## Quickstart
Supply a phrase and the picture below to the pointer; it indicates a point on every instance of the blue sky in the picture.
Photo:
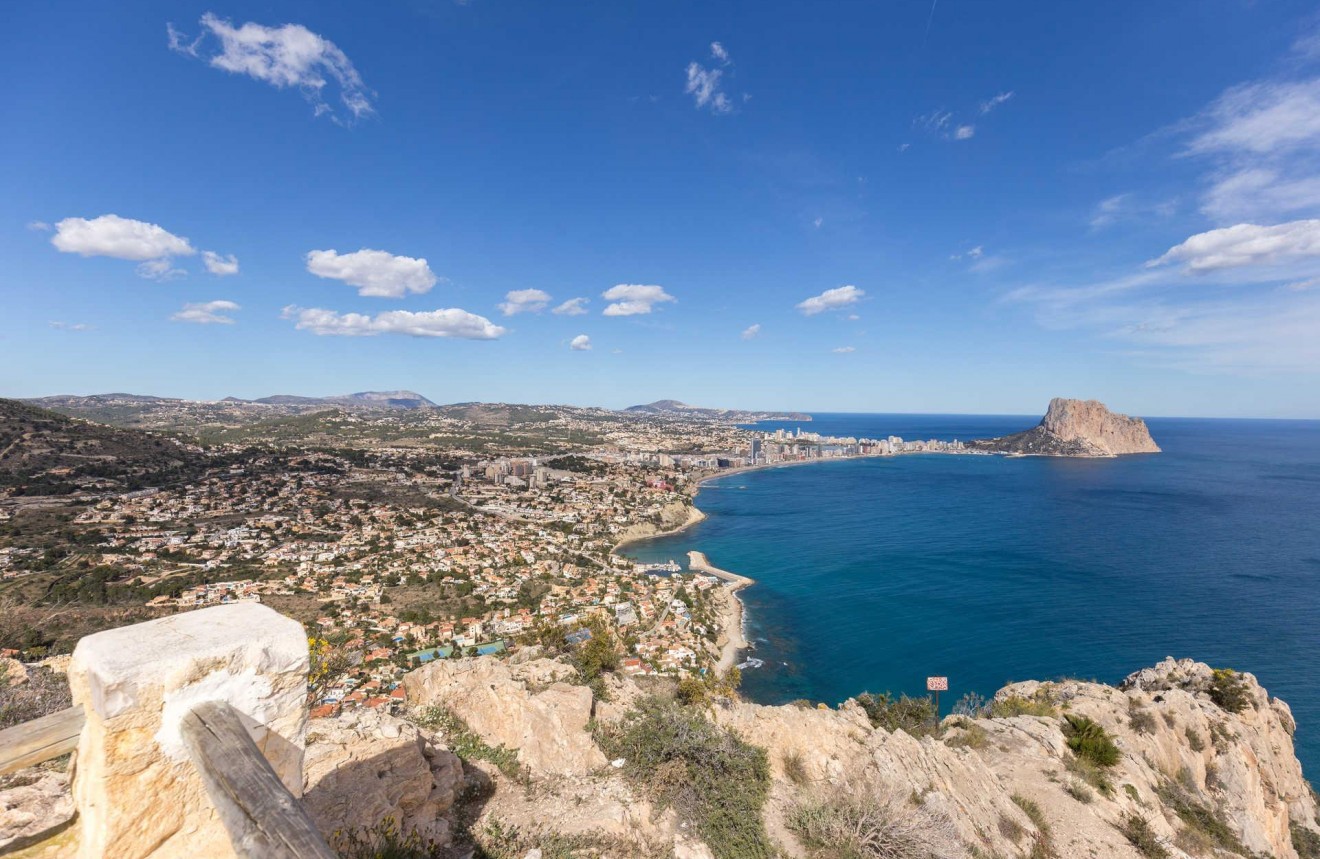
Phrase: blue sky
(957, 206)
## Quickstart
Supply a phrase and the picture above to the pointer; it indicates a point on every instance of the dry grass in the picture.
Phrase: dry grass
(885, 825)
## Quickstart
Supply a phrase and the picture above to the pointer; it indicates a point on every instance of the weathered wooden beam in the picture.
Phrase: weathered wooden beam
(263, 819)
(40, 740)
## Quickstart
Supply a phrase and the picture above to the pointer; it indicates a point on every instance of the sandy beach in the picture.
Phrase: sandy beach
(731, 612)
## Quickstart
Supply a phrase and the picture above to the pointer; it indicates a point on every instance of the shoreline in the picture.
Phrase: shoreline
(733, 614)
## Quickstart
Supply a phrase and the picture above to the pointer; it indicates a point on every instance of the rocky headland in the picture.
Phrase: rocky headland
(1076, 428)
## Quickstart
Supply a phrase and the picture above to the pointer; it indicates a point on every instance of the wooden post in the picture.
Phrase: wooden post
(263, 819)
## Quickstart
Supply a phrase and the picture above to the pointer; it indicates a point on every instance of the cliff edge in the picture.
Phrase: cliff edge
(1076, 428)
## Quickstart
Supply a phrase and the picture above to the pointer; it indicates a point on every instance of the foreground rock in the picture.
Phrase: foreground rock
(363, 767)
(1076, 428)
(528, 707)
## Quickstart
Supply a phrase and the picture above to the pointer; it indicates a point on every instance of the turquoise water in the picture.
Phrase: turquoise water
(873, 574)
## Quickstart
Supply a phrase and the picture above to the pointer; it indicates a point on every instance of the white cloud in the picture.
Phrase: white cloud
(704, 86)
(524, 301)
(634, 299)
(70, 326)
(159, 270)
(207, 313)
(580, 343)
(572, 307)
(38, 226)
(121, 238)
(843, 350)
(1108, 210)
(1263, 117)
(449, 322)
(284, 56)
(935, 122)
(1246, 245)
(964, 132)
(718, 52)
(375, 273)
(995, 101)
(831, 299)
(751, 331)
(220, 266)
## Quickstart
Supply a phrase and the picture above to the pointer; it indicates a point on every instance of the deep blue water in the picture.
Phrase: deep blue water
(874, 573)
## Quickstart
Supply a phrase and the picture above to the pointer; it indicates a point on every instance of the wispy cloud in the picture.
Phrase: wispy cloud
(831, 299)
(377, 274)
(524, 301)
(289, 55)
(220, 266)
(448, 322)
(843, 350)
(751, 331)
(572, 307)
(207, 313)
(70, 326)
(706, 86)
(995, 101)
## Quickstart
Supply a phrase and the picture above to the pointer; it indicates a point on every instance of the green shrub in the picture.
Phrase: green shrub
(915, 716)
(384, 841)
(1140, 719)
(1305, 841)
(1043, 848)
(1039, 704)
(971, 705)
(969, 735)
(1200, 817)
(1138, 832)
(1089, 741)
(1229, 690)
(1088, 772)
(708, 775)
(1080, 792)
(467, 744)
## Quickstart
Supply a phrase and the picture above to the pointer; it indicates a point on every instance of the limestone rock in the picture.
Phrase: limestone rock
(363, 767)
(527, 707)
(13, 672)
(33, 803)
(1077, 428)
(136, 684)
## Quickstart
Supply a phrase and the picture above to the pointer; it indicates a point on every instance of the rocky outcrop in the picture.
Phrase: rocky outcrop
(673, 517)
(1184, 757)
(34, 805)
(1076, 428)
(528, 707)
(363, 767)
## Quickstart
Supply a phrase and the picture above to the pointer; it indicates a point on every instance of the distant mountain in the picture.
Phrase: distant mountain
(1076, 428)
(364, 399)
(45, 453)
(674, 408)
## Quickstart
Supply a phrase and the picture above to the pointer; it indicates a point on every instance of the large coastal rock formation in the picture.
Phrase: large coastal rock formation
(1076, 428)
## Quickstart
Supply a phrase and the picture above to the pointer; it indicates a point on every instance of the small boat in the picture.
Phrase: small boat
(750, 663)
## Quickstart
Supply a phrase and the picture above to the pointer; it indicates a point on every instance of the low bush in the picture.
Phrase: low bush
(971, 705)
(466, 743)
(846, 825)
(795, 767)
(1039, 704)
(1096, 776)
(1140, 719)
(43, 693)
(1043, 848)
(1200, 817)
(502, 841)
(1138, 832)
(1229, 690)
(708, 775)
(1090, 741)
(384, 841)
(915, 716)
(1305, 841)
(1080, 792)
(1194, 739)
(969, 735)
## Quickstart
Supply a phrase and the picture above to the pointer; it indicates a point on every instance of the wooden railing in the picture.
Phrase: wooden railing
(40, 740)
(262, 818)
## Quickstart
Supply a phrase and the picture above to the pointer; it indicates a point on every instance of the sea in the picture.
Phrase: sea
(874, 574)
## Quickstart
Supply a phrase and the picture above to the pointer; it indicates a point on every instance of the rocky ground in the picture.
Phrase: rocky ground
(505, 758)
